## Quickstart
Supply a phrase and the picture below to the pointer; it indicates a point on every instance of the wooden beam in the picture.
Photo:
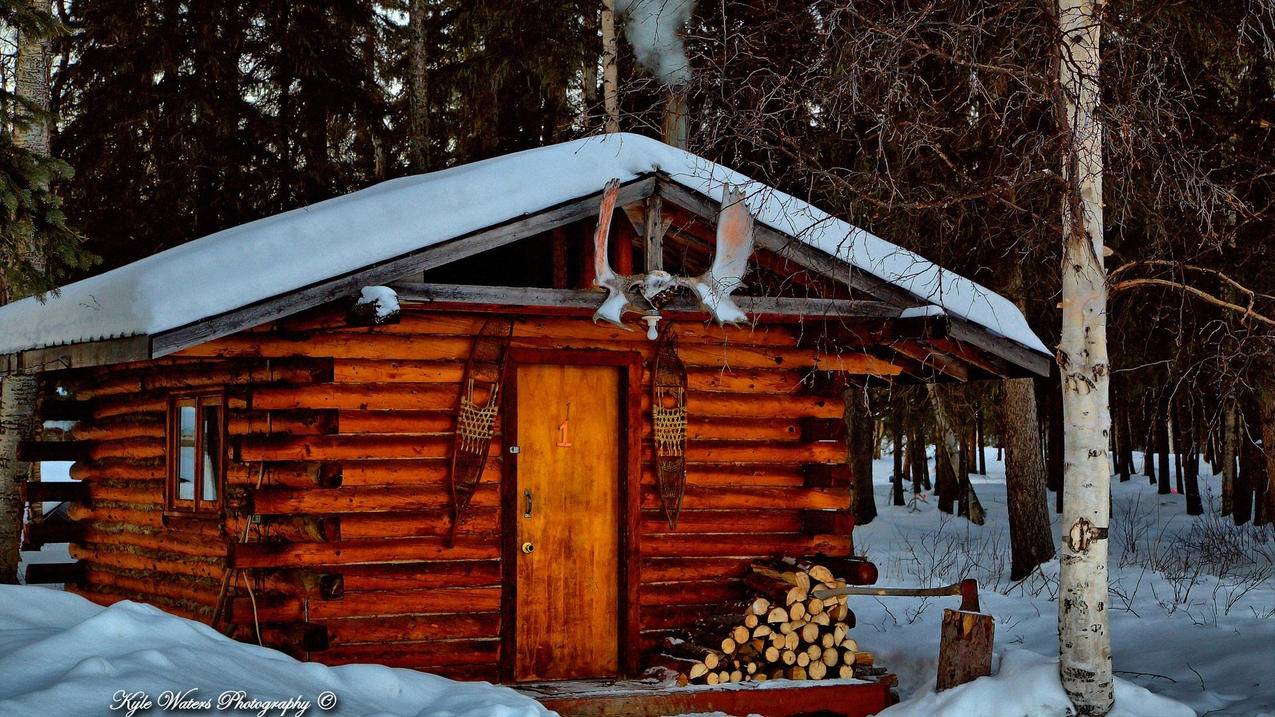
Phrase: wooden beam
(54, 492)
(932, 359)
(32, 451)
(48, 573)
(810, 308)
(77, 355)
(1033, 362)
(37, 535)
(60, 409)
(654, 233)
(386, 271)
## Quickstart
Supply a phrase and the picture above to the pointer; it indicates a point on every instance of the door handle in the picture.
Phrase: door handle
(528, 547)
(526, 513)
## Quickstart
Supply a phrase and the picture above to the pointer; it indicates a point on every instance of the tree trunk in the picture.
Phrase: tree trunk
(1194, 506)
(32, 84)
(948, 468)
(1083, 631)
(1031, 537)
(1252, 474)
(1126, 446)
(18, 392)
(17, 412)
(920, 466)
(1176, 435)
(1119, 434)
(858, 419)
(1162, 449)
(418, 89)
(610, 73)
(1148, 444)
(981, 442)
(1266, 412)
(945, 481)
(1230, 444)
(896, 436)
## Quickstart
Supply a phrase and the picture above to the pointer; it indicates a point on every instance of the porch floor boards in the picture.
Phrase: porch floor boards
(650, 698)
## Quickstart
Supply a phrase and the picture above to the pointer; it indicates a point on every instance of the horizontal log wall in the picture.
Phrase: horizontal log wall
(127, 546)
(349, 430)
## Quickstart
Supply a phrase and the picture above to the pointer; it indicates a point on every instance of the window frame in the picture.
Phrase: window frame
(172, 444)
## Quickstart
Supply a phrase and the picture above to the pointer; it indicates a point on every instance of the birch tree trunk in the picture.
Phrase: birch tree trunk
(1083, 629)
(32, 84)
(18, 392)
(17, 410)
(610, 74)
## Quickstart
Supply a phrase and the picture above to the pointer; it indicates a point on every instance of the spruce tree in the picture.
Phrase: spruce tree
(37, 247)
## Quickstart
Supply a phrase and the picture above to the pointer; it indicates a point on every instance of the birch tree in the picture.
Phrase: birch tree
(1083, 630)
(18, 391)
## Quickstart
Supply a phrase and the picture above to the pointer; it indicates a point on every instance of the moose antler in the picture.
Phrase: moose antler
(713, 288)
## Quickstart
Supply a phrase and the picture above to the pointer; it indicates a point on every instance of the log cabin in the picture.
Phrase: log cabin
(390, 428)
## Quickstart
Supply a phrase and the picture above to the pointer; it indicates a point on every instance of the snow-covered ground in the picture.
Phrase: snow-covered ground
(1192, 623)
(1192, 606)
(63, 655)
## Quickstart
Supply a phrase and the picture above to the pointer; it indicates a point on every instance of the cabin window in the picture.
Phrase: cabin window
(196, 453)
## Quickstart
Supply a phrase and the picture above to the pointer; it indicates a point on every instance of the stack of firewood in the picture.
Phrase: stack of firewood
(785, 632)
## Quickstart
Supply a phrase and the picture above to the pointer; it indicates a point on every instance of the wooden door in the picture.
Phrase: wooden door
(568, 518)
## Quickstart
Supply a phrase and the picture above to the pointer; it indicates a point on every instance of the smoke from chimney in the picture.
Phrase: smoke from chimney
(652, 28)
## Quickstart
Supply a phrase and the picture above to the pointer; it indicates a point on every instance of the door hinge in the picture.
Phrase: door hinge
(514, 450)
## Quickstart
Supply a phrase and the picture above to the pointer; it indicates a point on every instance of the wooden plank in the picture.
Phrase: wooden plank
(653, 231)
(589, 301)
(839, 698)
(386, 271)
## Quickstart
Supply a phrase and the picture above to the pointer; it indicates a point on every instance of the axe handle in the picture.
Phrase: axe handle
(967, 589)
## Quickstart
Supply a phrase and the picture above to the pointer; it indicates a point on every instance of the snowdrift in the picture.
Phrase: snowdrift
(61, 654)
(1027, 685)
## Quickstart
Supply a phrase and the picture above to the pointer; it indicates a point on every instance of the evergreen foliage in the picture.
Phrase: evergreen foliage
(37, 248)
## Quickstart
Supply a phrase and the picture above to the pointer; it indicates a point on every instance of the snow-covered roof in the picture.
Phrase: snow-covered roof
(280, 254)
